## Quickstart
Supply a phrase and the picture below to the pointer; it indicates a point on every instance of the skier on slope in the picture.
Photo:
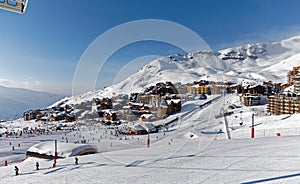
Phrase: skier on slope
(17, 170)
(76, 161)
(37, 165)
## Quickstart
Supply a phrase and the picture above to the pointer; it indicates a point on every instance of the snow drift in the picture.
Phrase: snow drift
(46, 150)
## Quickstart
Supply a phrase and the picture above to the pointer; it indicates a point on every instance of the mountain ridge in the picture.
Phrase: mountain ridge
(15, 101)
(255, 62)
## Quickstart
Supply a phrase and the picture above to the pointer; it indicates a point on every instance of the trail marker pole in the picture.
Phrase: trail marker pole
(55, 153)
(252, 128)
(148, 140)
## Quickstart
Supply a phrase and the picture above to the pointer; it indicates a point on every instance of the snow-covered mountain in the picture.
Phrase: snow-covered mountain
(261, 62)
(254, 62)
(15, 101)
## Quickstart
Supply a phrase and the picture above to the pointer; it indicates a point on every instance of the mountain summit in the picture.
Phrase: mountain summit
(257, 62)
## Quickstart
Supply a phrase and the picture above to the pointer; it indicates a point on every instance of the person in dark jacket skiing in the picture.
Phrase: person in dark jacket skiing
(76, 161)
(17, 170)
(37, 165)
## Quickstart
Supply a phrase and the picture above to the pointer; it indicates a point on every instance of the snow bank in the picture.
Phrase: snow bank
(63, 149)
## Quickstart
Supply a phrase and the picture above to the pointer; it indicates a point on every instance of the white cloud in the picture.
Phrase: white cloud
(35, 85)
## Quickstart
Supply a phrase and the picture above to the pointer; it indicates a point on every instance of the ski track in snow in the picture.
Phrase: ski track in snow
(203, 159)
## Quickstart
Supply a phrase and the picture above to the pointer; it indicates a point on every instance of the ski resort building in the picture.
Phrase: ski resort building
(287, 103)
(198, 89)
(168, 107)
(296, 81)
(278, 102)
(251, 100)
(284, 104)
(292, 74)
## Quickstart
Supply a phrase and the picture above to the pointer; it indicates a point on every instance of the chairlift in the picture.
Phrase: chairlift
(18, 6)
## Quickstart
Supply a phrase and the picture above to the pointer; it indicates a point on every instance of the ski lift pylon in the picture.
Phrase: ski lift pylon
(18, 6)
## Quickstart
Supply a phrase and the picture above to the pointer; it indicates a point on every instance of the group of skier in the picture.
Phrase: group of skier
(37, 165)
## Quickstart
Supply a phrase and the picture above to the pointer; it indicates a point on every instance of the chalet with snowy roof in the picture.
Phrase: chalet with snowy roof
(96, 101)
(146, 99)
(68, 108)
(32, 114)
(133, 97)
(106, 103)
(139, 129)
(143, 128)
(254, 89)
(252, 100)
(161, 89)
(233, 88)
(101, 104)
(147, 118)
(140, 106)
(136, 109)
(163, 110)
(272, 88)
(70, 117)
(168, 107)
(109, 115)
(143, 98)
(135, 106)
(150, 127)
(128, 115)
(29, 115)
(146, 109)
(58, 116)
(174, 104)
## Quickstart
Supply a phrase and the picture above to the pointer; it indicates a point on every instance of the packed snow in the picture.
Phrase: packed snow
(193, 150)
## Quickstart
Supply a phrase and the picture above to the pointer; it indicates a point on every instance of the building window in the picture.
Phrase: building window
(12, 2)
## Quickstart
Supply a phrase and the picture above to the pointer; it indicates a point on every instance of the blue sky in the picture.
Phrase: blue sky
(41, 48)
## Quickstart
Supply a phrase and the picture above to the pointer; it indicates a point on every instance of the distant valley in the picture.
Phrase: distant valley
(15, 101)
